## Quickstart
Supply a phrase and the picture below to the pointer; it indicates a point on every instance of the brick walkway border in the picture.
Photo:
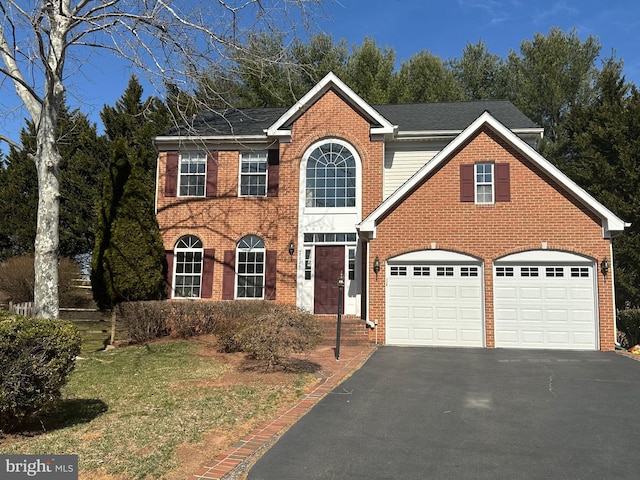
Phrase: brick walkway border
(246, 451)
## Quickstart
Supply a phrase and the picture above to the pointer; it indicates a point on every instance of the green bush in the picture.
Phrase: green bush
(629, 324)
(37, 356)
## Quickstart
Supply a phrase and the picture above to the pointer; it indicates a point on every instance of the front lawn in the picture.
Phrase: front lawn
(157, 411)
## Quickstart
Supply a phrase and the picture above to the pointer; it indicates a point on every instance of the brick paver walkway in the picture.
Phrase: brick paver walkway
(248, 450)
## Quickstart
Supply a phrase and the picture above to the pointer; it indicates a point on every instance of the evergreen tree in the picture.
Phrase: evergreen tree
(479, 73)
(128, 258)
(600, 150)
(424, 78)
(80, 175)
(129, 254)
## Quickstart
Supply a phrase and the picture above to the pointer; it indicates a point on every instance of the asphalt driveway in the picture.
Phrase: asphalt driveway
(435, 413)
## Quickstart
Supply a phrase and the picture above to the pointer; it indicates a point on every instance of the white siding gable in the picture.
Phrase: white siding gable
(403, 159)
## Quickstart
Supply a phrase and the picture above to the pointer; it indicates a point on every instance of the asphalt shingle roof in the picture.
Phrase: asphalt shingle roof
(413, 117)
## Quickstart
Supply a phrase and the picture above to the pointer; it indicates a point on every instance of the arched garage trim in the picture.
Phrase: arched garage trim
(546, 257)
(435, 256)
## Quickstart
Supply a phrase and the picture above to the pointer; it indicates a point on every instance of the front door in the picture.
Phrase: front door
(329, 264)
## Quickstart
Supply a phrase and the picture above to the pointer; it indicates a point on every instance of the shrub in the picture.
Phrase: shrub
(143, 321)
(37, 356)
(262, 329)
(277, 333)
(629, 324)
(17, 279)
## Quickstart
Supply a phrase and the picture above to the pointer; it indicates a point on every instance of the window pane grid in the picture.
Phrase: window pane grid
(250, 267)
(188, 267)
(192, 174)
(484, 182)
(253, 174)
(331, 177)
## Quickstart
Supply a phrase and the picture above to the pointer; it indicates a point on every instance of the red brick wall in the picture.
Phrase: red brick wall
(536, 213)
(220, 222)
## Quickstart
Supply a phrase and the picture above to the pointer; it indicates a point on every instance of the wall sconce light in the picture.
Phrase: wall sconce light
(376, 265)
(292, 248)
(604, 266)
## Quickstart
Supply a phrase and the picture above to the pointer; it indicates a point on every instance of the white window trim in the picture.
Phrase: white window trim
(178, 250)
(263, 250)
(477, 184)
(241, 174)
(191, 154)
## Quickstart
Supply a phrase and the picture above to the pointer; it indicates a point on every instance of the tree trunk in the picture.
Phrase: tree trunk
(47, 159)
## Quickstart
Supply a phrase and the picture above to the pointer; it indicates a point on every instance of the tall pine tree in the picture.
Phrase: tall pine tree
(128, 259)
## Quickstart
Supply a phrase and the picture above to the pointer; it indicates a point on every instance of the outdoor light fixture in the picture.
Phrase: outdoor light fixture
(292, 248)
(604, 266)
(376, 265)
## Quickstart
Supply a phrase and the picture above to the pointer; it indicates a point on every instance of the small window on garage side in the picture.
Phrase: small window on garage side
(398, 271)
(580, 272)
(504, 271)
(444, 271)
(529, 271)
(554, 272)
(484, 182)
(468, 271)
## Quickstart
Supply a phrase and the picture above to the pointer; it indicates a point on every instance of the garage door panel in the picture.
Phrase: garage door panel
(443, 309)
(553, 310)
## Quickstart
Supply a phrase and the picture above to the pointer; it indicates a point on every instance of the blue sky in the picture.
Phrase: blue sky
(409, 26)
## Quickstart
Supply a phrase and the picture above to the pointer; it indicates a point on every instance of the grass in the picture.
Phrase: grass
(126, 411)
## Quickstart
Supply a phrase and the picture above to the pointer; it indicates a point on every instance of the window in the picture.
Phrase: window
(580, 271)
(444, 271)
(188, 265)
(351, 264)
(504, 271)
(419, 271)
(484, 182)
(193, 166)
(468, 271)
(398, 271)
(554, 272)
(250, 265)
(253, 174)
(307, 263)
(331, 177)
(529, 271)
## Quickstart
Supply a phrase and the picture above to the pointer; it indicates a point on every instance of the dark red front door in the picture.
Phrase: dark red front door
(329, 264)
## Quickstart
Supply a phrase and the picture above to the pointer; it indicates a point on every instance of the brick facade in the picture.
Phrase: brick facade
(538, 212)
(432, 216)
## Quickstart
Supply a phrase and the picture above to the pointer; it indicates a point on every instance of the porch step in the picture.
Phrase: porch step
(353, 330)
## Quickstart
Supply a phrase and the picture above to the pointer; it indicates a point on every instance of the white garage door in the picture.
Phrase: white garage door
(434, 304)
(545, 306)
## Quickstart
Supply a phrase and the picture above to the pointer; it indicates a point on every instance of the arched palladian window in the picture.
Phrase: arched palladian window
(188, 255)
(331, 177)
(250, 267)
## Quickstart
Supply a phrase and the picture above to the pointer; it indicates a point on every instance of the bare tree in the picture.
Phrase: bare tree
(44, 42)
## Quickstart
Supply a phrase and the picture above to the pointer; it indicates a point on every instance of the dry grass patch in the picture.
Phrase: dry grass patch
(159, 410)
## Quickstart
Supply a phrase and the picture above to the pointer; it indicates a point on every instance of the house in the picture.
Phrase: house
(446, 224)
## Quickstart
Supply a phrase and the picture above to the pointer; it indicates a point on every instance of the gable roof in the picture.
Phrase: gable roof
(610, 222)
(379, 125)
